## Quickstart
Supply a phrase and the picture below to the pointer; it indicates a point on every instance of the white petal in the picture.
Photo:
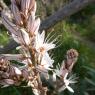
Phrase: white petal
(47, 61)
(25, 37)
(42, 36)
(36, 26)
(70, 89)
(65, 77)
(54, 76)
(17, 71)
(39, 41)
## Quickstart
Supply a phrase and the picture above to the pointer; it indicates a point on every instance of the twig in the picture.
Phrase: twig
(65, 12)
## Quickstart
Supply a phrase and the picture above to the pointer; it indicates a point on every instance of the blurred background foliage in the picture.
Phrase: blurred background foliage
(78, 32)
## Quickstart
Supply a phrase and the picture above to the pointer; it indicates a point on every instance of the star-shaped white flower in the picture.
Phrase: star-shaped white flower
(60, 71)
(56, 72)
(67, 82)
(46, 63)
(41, 45)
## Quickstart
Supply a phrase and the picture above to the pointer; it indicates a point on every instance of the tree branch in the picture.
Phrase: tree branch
(65, 12)
(61, 14)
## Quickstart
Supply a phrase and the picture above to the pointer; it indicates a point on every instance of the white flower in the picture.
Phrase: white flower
(67, 82)
(41, 45)
(46, 63)
(60, 71)
(56, 72)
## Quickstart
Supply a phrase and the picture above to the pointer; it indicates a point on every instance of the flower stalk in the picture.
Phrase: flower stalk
(34, 58)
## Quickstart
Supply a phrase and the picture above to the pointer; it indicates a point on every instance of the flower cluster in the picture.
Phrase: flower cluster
(23, 27)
